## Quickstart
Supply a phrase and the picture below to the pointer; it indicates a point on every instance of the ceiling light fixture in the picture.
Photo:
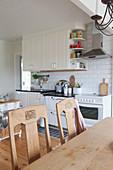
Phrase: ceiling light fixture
(102, 25)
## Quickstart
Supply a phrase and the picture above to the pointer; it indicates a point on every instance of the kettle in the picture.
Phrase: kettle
(59, 85)
(59, 88)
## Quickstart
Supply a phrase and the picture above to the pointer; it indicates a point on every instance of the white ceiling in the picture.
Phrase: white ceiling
(19, 17)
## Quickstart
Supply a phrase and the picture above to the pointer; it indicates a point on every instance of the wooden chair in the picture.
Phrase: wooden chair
(67, 105)
(28, 117)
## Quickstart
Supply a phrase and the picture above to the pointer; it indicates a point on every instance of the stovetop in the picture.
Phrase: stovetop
(92, 98)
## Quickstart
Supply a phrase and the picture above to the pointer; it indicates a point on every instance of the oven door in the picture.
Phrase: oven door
(92, 113)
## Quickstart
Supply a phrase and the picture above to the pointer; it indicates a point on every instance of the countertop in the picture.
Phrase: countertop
(47, 92)
(12, 101)
(56, 94)
(36, 90)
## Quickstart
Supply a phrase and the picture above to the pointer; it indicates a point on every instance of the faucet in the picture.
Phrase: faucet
(41, 82)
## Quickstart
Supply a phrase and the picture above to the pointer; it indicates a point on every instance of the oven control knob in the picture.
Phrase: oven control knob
(93, 101)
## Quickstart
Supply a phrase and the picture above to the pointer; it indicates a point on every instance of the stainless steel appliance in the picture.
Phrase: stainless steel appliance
(94, 108)
(60, 84)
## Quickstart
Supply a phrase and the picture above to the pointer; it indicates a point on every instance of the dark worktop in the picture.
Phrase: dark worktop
(36, 90)
(47, 92)
(56, 94)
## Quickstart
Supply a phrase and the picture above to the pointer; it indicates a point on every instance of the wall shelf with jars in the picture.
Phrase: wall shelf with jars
(76, 49)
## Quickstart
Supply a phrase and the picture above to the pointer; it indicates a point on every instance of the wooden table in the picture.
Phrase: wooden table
(91, 150)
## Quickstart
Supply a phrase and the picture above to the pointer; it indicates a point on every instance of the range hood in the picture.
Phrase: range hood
(97, 51)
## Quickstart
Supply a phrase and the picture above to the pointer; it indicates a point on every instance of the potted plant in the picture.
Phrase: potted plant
(78, 88)
(36, 77)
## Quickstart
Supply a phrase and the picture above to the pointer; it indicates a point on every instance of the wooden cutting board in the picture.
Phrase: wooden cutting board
(72, 81)
(103, 88)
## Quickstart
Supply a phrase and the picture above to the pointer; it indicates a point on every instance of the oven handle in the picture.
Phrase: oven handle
(90, 105)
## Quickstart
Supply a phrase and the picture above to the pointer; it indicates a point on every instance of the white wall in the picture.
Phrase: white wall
(6, 67)
(17, 51)
(8, 53)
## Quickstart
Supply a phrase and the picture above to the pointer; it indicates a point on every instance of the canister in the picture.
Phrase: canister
(73, 55)
(79, 34)
(69, 90)
(73, 35)
(65, 90)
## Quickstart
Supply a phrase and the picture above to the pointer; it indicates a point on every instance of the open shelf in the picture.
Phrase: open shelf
(77, 39)
(77, 49)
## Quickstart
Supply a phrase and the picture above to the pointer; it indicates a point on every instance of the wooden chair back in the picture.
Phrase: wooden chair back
(28, 117)
(68, 106)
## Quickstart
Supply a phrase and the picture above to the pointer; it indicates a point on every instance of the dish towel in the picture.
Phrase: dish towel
(78, 120)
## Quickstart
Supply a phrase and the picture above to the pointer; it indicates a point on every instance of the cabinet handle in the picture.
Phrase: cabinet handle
(59, 99)
(31, 67)
(52, 98)
(53, 65)
(52, 113)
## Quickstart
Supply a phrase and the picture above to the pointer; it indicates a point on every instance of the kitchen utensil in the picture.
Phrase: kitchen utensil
(61, 83)
(79, 34)
(103, 88)
(73, 35)
(4, 97)
(65, 90)
(73, 55)
(5, 120)
(59, 88)
(77, 46)
(69, 90)
(72, 81)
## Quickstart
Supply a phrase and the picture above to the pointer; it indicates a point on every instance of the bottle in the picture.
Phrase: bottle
(65, 90)
(69, 90)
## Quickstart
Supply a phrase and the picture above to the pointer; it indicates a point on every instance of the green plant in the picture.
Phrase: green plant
(77, 85)
(35, 76)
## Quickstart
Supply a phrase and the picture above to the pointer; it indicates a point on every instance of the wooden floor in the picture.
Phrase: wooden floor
(5, 158)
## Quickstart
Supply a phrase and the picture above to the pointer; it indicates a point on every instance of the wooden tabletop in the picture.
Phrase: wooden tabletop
(12, 101)
(91, 150)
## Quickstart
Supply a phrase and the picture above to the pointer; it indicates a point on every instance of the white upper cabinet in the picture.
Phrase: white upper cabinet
(27, 54)
(37, 53)
(48, 51)
(61, 47)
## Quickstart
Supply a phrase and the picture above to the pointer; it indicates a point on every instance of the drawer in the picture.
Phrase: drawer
(10, 106)
(17, 105)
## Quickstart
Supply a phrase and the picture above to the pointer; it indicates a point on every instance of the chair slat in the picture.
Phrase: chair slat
(68, 106)
(28, 117)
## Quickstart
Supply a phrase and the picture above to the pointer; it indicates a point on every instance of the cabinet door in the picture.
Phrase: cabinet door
(33, 99)
(27, 54)
(23, 97)
(51, 110)
(37, 53)
(48, 51)
(61, 47)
